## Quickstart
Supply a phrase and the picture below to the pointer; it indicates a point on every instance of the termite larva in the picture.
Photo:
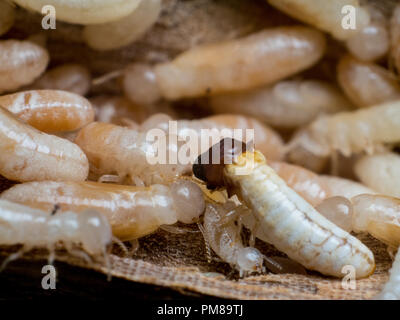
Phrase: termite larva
(28, 154)
(117, 34)
(21, 62)
(49, 110)
(132, 211)
(258, 59)
(285, 219)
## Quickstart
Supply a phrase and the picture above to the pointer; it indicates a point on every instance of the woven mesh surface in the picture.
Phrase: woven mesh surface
(180, 261)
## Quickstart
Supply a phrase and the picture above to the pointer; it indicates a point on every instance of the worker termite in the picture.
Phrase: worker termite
(286, 104)
(380, 171)
(28, 154)
(258, 59)
(71, 77)
(33, 228)
(131, 211)
(21, 62)
(365, 83)
(117, 34)
(284, 218)
(84, 11)
(49, 110)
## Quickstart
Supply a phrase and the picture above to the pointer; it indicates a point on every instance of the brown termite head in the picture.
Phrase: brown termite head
(209, 165)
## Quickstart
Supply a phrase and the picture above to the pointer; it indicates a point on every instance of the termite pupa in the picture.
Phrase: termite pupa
(131, 211)
(49, 110)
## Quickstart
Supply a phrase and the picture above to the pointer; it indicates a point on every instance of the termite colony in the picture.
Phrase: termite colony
(323, 167)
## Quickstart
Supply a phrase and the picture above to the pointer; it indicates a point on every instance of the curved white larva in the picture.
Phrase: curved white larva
(122, 32)
(21, 62)
(381, 172)
(286, 104)
(34, 228)
(131, 211)
(291, 224)
(341, 187)
(27, 154)
(7, 16)
(325, 15)
(84, 11)
(258, 59)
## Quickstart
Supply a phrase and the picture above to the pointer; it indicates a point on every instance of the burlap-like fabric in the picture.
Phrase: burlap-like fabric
(180, 260)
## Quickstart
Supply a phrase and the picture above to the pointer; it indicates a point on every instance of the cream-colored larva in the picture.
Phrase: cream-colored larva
(21, 62)
(27, 154)
(34, 228)
(132, 211)
(84, 11)
(49, 110)
(120, 33)
(258, 59)
(391, 290)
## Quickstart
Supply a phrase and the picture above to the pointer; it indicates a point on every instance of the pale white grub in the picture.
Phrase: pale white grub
(326, 15)
(84, 11)
(132, 211)
(353, 132)
(49, 110)
(380, 171)
(34, 228)
(27, 154)
(7, 16)
(391, 290)
(286, 104)
(372, 42)
(258, 59)
(365, 83)
(21, 62)
(291, 224)
(74, 78)
(341, 187)
(127, 152)
(120, 33)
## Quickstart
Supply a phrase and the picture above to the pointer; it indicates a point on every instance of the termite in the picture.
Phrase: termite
(284, 218)
(258, 59)
(132, 211)
(33, 228)
(21, 62)
(28, 154)
(120, 33)
(50, 110)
